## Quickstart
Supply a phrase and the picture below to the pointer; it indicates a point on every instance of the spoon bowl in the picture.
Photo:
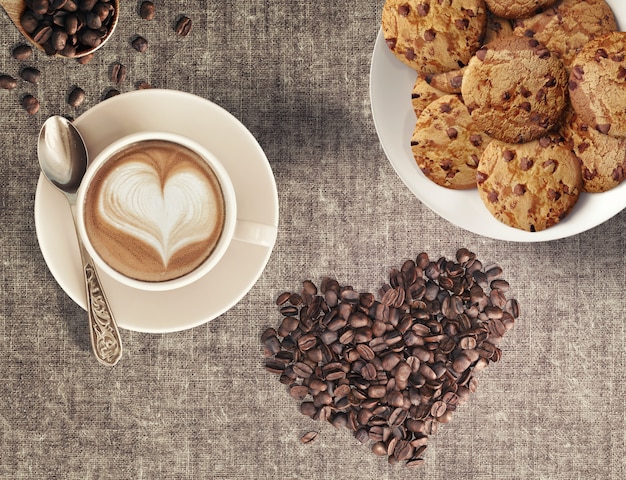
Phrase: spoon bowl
(63, 161)
(15, 10)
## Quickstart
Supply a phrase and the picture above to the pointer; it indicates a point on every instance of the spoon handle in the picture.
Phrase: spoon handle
(105, 337)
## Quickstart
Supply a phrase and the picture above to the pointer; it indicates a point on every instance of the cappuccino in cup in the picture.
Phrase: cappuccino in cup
(157, 210)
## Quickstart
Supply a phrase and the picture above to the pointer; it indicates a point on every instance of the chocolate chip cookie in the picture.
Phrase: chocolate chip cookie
(447, 144)
(597, 84)
(517, 8)
(602, 157)
(530, 186)
(568, 25)
(515, 89)
(433, 37)
(423, 94)
(450, 82)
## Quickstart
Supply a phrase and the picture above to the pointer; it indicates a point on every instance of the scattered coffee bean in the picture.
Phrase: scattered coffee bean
(118, 73)
(112, 92)
(183, 26)
(147, 10)
(30, 104)
(22, 52)
(85, 59)
(140, 44)
(68, 27)
(31, 74)
(309, 437)
(7, 82)
(76, 97)
(391, 370)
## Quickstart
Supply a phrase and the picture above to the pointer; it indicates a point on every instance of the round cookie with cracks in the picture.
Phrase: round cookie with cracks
(530, 186)
(434, 37)
(515, 89)
(447, 144)
(597, 84)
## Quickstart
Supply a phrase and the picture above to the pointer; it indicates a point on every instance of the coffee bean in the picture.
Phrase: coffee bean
(112, 92)
(140, 44)
(76, 97)
(309, 437)
(118, 73)
(85, 22)
(31, 74)
(7, 82)
(147, 10)
(392, 370)
(183, 26)
(30, 104)
(22, 52)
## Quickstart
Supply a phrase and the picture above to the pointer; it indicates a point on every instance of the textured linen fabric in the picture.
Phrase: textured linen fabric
(199, 403)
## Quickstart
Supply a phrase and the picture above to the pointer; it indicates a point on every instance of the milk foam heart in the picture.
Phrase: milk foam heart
(154, 211)
(167, 214)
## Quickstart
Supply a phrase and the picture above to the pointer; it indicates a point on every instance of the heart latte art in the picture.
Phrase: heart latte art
(154, 211)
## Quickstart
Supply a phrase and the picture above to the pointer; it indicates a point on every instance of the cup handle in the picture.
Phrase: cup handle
(256, 233)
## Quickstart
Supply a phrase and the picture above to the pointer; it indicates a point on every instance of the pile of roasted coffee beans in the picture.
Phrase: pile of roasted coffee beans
(391, 370)
(68, 27)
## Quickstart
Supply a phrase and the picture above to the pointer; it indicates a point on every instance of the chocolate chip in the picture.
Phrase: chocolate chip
(543, 53)
(445, 108)
(553, 194)
(481, 53)
(572, 85)
(409, 54)
(578, 72)
(492, 196)
(600, 54)
(403, 10)
(545, 141)
(519, 189)
(583, 146)
(461, 23)
(525, 106)
(550, 165)
(423, 9)
(526, 164)
(391, 43)
(476, 139)
(550, 82)
(529, 33)
(508, 155)
(452, 133)
(533, 43)
(603, 128)
(429, 35)
(588, 174)
(481, 177)
(618, 174)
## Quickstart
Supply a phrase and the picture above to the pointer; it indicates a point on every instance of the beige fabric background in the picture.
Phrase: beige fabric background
(199, 404)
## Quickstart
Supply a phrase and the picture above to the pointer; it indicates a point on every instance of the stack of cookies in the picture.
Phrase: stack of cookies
(524, 100)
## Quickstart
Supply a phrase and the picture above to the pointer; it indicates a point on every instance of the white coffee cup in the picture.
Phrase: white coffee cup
(145, 212)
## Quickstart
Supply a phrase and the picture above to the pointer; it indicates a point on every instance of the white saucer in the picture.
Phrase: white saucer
(257, 200)
(391, 83)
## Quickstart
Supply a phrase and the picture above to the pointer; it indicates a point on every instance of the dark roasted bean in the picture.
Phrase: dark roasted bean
(183, 26)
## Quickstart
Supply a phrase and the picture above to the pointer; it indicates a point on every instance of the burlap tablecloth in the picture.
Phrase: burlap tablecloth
(199, 403)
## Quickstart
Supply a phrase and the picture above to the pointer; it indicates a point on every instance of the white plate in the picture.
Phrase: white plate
(257, 200)
(391, 83)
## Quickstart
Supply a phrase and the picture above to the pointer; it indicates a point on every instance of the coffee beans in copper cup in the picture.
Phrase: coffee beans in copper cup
(70, 28)
(158, 211)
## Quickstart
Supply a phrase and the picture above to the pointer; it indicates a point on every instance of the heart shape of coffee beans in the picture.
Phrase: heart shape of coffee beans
(166, 214)
(392, 369)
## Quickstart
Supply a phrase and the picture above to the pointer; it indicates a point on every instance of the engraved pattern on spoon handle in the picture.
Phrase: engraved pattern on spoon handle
(105, 337)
